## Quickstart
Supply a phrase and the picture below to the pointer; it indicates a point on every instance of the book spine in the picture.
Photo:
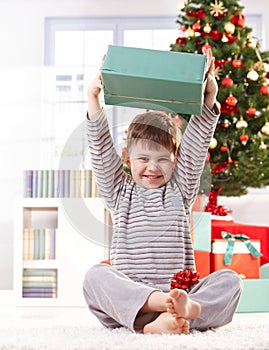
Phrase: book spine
(39, 183)
(39, 272)
(50, 183)
(31, 246)
(28, 183)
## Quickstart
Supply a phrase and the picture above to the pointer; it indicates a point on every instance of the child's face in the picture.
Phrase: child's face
(151, 167)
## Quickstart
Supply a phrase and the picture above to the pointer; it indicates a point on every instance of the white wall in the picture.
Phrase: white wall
(21, 113)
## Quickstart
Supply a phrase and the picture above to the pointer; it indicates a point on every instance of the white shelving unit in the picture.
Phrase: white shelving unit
(81, 242)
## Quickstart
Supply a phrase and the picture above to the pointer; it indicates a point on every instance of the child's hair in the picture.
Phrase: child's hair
(157, 127)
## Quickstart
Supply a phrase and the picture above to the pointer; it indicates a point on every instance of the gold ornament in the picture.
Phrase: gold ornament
(207, 28)
(218, 72)
(189, 32)
(241, 123)
(229, 28)
(252, 43)
(265, 129)
(213, 143)
(216, 8)
(252, 75)
(259, 65)
(224, 39)
(262, 145)
(181, 5)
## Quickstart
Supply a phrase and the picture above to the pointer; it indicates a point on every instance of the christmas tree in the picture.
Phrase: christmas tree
(238, 153)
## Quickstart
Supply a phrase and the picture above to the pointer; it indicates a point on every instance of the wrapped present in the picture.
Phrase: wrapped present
(154, 79)
(237, 253)
(201, 231)
(202, 262)
(254, 296)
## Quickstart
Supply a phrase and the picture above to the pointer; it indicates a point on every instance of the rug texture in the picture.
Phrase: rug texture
(63, 329)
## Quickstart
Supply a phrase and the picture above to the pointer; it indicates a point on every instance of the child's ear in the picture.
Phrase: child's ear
(125, 157)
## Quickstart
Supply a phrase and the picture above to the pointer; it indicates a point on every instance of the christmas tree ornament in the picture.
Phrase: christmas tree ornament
(259, 65)
(224, 39)
(217, 8)
(181, 41)
(213, 143)
(237, 63)
(207, 28)
(241, 123)
(252, 43)
(251, 111)
(227, 82)
(189, 32)
(181, 5)
(223, 149)
(244, 139)
(252, 75)
(265, 129)
(262, 145)
(264, 89)
(241, 22)
(197, 26)
(206, 46)
(229, 28)
(231, 100)
(226, 123)
(215, 35)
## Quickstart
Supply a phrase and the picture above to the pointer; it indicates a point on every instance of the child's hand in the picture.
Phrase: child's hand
(94, 90)
(211, 89)
(96, 85)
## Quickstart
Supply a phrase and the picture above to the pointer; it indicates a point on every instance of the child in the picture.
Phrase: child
(151, 214)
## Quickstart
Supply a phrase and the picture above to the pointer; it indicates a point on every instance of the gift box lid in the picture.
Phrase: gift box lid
(219, 246)
(154, 79)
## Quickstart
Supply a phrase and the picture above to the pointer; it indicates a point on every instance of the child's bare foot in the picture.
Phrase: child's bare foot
(180, 305)
(165, 323)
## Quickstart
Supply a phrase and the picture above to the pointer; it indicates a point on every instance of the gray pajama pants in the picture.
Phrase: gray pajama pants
(116, 300)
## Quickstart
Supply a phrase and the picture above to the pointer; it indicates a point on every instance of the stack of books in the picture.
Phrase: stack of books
(39, 244)
(39, 283)
(59, 183)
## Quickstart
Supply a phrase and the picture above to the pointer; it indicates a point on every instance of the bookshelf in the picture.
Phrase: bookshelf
(56, 240)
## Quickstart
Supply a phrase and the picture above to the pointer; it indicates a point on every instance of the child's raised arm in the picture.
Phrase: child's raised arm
(94, 90)
(211, 89)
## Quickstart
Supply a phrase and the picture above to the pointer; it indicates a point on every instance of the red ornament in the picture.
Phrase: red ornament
(220, 63)
(251, 111)
(215, 35)
(237, 63)
(231, 38)
(223, 149)
(229, 109)
(184, 279)
(244, 138)
(197, 14)
(227, 82)
(239, 20)
(196, 26)
(264, 89)
(231, 101)
(206, 46)
(181, 41)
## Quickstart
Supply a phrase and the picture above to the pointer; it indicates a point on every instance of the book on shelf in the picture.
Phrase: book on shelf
(39, 244)
(61, 183)
(39, 283)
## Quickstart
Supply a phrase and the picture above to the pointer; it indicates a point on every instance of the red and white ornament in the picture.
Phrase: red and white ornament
(251, 111)
(244, 139)
(231, 101)
(237, 63)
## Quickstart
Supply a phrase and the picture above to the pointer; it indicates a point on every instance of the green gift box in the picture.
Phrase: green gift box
(154, 79)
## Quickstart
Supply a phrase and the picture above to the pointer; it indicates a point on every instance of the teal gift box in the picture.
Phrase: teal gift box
(255, 296)
(154, 79)
(201, 231)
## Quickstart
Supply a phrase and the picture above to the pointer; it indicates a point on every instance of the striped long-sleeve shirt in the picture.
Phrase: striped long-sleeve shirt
(151, 227)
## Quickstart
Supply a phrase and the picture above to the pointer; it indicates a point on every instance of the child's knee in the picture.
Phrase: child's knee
(93, 276)
(232, 278)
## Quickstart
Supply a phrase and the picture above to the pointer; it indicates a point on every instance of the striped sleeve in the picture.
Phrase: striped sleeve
(192, 152)
(107, 166)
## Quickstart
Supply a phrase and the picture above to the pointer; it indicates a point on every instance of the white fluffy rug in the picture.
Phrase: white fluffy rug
(75, 328)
